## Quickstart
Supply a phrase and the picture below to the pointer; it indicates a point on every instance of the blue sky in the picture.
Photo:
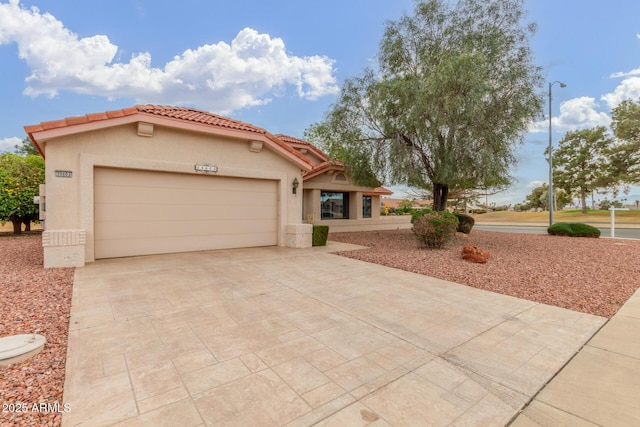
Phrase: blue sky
(279, 64)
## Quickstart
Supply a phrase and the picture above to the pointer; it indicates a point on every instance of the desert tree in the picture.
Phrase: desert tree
(451, 99)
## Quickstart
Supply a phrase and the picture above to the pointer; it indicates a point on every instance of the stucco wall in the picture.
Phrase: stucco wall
(70, 200)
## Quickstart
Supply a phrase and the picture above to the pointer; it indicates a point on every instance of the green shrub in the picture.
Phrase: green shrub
(320, 234)
(418, 213)
(573, 229)
(560, 229)
(434, 229)
(584, 230)
(465, 223)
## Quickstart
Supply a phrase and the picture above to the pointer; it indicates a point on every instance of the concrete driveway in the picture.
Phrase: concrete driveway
(276, 336)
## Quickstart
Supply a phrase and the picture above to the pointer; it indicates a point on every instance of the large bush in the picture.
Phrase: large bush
(434, 229)
(573, 229)
(465, 223)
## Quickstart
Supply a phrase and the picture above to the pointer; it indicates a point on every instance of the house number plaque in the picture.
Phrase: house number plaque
(206, 168)
(63, 174)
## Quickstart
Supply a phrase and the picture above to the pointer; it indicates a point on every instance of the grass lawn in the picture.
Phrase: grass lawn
(542, 218)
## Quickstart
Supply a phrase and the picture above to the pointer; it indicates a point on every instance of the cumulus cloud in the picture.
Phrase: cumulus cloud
(577, 113)
(220, 77)
(627, 89)
(9, 144)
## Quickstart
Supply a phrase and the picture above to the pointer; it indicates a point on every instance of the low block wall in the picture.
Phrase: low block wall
(395, 222)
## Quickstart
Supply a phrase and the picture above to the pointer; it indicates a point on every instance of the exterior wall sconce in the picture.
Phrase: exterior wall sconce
(294, 185)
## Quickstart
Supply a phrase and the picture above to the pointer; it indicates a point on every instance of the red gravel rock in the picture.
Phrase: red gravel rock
(33, 298)
(595, 276)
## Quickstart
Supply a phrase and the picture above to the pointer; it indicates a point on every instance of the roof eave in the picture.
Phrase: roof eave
(39, 134)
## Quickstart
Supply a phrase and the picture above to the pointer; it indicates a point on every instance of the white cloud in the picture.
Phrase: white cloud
(627, 89)
(534, 184)
(576, 113)
(9, 144)
(634, 72)
(220, 77)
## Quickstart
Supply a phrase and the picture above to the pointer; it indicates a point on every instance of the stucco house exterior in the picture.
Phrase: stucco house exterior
(158, 179)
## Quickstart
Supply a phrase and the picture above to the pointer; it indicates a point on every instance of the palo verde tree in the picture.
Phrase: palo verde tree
(452, 97)
(582, 162)
(20, 177)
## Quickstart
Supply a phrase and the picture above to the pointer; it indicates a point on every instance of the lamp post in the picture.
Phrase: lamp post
(550, 157)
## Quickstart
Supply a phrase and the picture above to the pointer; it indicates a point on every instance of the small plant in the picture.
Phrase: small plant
(573, 229)
(320, 234)
(404, 207)
(465, 223)
(434, 229)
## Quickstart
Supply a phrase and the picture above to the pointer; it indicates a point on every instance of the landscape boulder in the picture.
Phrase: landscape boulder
(474, 254)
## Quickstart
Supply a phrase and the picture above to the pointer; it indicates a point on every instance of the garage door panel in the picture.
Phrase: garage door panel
(147, 212)
(136, 212)
(171, 229)
(114, 249)
(151, 195)
(164, 180)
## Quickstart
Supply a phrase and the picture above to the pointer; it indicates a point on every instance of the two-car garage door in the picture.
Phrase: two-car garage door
(144, 212)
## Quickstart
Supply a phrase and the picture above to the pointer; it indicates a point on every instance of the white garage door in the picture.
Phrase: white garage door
(142, 212)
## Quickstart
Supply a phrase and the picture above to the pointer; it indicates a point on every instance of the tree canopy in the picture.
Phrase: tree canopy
(582, 162)
(20, 177)
(539, 199)
(26, 148)
(452, 97)
(626, 127)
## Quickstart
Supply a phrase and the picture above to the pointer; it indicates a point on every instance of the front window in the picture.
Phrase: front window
(366, 206)
(334, 205)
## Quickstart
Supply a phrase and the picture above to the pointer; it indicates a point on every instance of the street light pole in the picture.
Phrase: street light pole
(550, 156)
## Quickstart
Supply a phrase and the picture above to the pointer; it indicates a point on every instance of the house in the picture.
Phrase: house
(158, 179)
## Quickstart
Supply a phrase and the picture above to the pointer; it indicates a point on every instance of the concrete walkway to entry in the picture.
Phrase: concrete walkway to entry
(298, 337)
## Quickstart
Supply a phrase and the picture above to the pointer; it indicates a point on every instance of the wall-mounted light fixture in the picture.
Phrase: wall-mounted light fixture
(294, 185)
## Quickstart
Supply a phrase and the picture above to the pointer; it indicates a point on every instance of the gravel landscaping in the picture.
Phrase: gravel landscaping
(33, 299)
(595, 276)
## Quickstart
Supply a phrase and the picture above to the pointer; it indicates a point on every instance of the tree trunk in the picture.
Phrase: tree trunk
(440, 196)
(27, 224)
(17, 225)
(583, 200)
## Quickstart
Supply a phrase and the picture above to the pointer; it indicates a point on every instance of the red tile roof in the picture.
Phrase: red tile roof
(178, 113)
(181, 113)
(301, 143)
(293, 140)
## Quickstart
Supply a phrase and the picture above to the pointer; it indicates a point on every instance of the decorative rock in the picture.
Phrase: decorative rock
(474, 254)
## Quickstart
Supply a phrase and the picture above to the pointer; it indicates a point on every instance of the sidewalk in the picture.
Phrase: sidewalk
(601, 384)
